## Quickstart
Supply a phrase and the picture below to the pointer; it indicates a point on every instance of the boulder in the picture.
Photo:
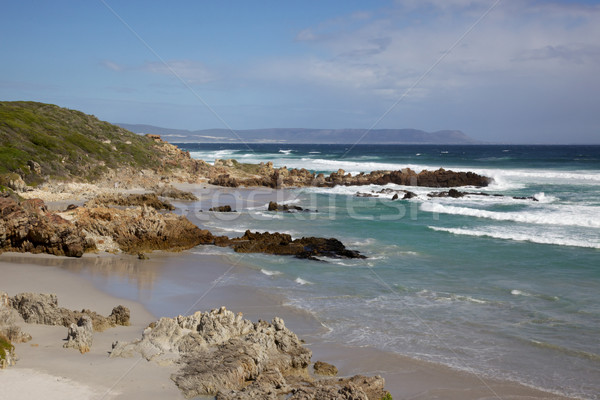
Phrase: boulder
(323, 368)
(80, 335)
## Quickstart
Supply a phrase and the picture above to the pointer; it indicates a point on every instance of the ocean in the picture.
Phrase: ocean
(507, 288)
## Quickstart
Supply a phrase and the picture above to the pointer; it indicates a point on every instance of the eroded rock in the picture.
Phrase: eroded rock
(80, 335)
(223, 355)
(27, 226)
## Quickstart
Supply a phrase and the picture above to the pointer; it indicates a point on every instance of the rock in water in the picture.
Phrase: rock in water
(226, 208)
(80, 335)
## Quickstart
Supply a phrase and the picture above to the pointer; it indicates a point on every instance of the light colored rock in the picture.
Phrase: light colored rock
(80, 335)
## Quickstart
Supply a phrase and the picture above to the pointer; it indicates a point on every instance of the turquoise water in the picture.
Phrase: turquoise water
(508, 288)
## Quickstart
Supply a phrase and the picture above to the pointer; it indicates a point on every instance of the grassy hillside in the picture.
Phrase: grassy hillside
(66, 144)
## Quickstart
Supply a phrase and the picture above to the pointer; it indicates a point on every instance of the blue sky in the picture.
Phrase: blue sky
(503, 71)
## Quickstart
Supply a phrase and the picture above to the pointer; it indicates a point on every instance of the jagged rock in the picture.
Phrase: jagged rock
(34, 167)
(131, 200)
(10, 321)
(142, 256)
(27, 226)
(120, 315)
(395, 196)
(323, 368)
(80, 335)
(226, 208)
(409, 195)
(355, 388)
(273, 206)
(282, 244)
(223, 355)
(282, 177)
(138, 230)
(42, 308)
(174, 193)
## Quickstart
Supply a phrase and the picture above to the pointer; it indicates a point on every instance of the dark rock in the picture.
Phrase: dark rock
(273, 206)
(395, 196)
(282, 244)
(71, 207)
(34, 167)
(142, 256)
(409, 195)
(226, 208)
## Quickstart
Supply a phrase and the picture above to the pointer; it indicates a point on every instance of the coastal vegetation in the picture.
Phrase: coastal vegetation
(40, 140)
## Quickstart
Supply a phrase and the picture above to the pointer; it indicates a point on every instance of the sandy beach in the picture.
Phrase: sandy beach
(94, 282)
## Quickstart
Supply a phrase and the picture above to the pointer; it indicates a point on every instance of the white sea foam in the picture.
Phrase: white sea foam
(563, 215)
(286, 152)
(301, 281)
(269, 272)
(511, 234)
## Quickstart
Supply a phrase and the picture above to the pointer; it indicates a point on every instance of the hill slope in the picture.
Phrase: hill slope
(312, 136)
(40, 141)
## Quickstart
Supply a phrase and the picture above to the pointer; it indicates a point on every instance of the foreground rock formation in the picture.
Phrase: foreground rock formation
(221, 354)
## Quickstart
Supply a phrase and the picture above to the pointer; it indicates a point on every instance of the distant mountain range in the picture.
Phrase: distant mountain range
(300, 135)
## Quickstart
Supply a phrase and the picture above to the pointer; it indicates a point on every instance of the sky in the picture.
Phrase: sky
(503, 71)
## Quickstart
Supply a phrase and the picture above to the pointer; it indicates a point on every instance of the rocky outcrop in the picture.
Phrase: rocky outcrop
(355, 388)
(131, 200)
(273, 206)
(323, 368)
(226, 208)
(27, 226)
(268, 176)
(7, 352)
(221, 354)
(80, 335)
(139, 229)
(282, 244)
(42, 308)
(174, 193)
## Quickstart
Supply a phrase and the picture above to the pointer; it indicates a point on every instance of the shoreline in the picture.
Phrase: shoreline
(112, 275)
(405, 377)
